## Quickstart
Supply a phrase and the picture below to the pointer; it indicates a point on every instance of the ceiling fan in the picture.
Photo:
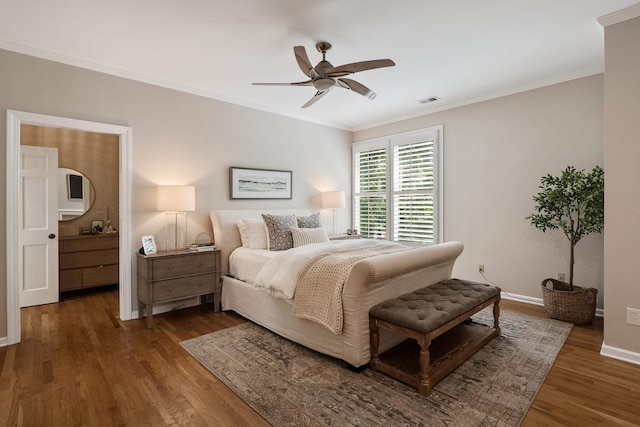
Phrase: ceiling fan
(324, 76)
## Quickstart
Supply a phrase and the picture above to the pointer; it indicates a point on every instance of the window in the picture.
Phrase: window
(397, 187)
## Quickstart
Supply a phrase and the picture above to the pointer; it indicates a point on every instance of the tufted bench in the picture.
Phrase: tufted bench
(425, 315)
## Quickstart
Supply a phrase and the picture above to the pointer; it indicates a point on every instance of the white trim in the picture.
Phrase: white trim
(14, 120)
(620, 15)
(620, 354)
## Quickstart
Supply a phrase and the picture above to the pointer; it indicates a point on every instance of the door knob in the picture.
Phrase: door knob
(52, 236)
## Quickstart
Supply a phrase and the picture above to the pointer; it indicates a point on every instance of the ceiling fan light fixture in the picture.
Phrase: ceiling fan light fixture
(324, 83)
(324, 76)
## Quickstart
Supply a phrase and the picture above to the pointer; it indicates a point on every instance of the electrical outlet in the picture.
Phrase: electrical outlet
(561, 277)
(633, 316)
(480, 268)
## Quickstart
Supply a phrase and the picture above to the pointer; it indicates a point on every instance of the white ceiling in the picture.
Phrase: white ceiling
(462, 51)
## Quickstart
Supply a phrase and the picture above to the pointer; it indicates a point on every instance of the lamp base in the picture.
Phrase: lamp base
(176, 230)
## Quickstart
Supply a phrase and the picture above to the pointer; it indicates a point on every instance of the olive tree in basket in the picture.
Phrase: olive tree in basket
(573, 203)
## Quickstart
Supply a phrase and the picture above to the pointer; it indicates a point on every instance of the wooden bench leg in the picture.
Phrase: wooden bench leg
(375, 342)
(496, 316)
(424, 388)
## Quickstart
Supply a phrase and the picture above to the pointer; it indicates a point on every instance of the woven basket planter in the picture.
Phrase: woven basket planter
(576, 306)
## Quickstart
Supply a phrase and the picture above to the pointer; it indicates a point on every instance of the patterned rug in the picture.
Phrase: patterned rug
(290, 385)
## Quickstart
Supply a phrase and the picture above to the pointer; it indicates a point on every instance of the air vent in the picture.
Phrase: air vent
(428, 100)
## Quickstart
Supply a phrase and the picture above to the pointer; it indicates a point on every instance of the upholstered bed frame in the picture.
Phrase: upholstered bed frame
(370, 282)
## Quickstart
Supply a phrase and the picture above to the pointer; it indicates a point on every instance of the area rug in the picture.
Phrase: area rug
(290, 385)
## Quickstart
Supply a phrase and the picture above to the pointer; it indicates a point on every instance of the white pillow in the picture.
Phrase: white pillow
(245, 237)
(257, 233)
(305, 236)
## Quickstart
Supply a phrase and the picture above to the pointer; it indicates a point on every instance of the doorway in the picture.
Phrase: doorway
(14, 121)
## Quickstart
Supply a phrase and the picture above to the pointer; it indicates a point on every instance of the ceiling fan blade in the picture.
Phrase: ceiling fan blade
(303, 60)
(343, 70)
(357, 87)
(319, 94)
(305, 83)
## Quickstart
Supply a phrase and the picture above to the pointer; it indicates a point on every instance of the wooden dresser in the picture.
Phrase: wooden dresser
(88, 261)
(175, 275)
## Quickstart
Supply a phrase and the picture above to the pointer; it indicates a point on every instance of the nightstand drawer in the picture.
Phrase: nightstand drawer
(167, 268)
(184, 287)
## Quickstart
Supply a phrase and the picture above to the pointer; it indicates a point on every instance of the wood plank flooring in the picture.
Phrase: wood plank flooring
(78, 365)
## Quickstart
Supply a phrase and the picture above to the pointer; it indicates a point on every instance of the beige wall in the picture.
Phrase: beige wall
(494, 155)
(177, 138)
(94, 155)
(622, 201)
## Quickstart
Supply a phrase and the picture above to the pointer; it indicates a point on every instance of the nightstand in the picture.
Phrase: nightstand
(175, 275)
(344, 236)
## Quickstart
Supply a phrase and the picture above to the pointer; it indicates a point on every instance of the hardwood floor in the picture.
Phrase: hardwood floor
(78, 364)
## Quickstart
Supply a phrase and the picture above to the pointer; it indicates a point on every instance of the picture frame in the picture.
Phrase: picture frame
(247, 183)
(149, 245)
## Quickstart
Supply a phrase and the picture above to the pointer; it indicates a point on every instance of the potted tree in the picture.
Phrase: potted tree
(574, 203)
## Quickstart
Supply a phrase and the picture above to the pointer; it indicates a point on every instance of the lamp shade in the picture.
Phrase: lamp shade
(176, 198)
(333, 199)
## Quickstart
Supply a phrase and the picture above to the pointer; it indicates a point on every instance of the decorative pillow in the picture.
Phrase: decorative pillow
(278, 231)
(311, 221)
(245, 236)
(304, 236)
(257, 234)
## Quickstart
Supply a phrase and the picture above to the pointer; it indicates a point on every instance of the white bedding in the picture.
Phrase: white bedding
(245, 263)
(279, 275)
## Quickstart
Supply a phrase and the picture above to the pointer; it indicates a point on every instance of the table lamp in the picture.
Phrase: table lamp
(176, 201)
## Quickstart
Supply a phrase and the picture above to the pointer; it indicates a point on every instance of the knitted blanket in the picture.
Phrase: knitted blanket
(318, 295)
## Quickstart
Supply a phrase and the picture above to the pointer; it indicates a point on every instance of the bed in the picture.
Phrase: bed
(369, 282)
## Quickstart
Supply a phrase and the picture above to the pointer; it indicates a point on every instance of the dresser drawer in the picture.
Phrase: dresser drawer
(88, 244)
(70, 279)
(184, 287)
(166, 268)
(88, 259)
(96, 276)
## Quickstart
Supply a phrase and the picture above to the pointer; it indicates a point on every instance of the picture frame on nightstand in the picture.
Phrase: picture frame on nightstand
(149, 245)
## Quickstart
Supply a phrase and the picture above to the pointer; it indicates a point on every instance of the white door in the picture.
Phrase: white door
(38, 226)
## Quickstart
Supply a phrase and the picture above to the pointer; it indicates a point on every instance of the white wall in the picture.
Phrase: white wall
(177, 138)
(495, 153)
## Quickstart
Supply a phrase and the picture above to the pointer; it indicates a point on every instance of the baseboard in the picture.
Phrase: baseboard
(605, 350)
(535, 301)
(620, 354)
(4, 341)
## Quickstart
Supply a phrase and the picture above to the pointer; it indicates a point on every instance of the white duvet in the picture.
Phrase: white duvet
(279, 275)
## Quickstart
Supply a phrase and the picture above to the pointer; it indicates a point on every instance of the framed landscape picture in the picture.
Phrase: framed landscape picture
(260, 184)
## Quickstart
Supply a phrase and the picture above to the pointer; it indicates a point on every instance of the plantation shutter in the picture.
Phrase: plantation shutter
(371, 192)
(413, 192)
(397, 186)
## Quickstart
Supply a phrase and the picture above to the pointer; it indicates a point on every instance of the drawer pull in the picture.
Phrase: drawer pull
(171, 267)
(201, 263)
(170, 289)
(201, 284)
(101, 265)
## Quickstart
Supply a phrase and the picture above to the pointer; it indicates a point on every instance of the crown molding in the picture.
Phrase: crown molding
(620, 16)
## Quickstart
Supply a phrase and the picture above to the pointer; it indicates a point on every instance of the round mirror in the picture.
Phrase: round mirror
(75, 194)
